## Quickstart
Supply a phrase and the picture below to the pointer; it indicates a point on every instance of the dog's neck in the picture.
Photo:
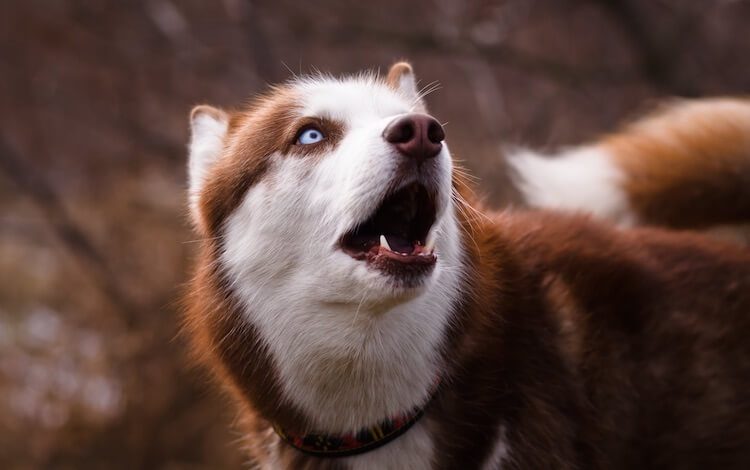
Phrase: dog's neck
(344, 366)
(349, 367)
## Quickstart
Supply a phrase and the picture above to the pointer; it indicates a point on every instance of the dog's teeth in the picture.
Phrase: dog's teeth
(429, 246)
(384, 243)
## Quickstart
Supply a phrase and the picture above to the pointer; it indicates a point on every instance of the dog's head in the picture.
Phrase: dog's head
(336, 189)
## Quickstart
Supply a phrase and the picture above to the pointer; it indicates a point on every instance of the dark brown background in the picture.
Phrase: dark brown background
(94, 243)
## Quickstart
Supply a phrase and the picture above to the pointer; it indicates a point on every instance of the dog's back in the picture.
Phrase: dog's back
(606, 349)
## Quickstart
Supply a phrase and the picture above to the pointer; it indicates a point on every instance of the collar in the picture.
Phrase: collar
(364, 440)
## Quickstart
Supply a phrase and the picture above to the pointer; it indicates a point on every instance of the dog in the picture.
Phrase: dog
(364, 310)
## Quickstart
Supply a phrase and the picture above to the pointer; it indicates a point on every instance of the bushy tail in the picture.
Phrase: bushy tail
(686, 166)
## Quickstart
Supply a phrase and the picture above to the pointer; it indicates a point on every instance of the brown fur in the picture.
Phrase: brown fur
(688, 165)
(268, 126)
(593, 347)
(253, 137)
(601, 349)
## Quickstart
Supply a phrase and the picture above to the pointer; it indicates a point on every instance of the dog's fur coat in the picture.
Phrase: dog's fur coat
(561, 341)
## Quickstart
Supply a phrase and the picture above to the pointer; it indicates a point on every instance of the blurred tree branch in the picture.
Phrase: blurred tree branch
(69, 233)
(501, 54)
(262, 51)
(656, 56)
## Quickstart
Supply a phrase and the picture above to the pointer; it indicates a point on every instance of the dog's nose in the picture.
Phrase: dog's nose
(416, 136)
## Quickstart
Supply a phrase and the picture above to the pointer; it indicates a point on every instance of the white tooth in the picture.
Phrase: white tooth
(429, 246)
(384, 243)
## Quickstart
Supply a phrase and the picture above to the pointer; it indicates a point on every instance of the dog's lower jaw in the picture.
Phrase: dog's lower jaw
(350, 368)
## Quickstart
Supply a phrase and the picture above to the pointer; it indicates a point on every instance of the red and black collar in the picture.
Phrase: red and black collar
(364, 440)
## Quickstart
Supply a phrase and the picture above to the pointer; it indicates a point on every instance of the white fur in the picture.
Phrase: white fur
(582, 179)
(206, 145)
(351, 346)
(500, 451)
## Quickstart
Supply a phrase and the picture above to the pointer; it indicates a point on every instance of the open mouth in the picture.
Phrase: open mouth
(395, 237)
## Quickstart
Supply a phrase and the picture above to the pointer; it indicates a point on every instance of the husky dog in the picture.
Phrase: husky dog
(365, 311)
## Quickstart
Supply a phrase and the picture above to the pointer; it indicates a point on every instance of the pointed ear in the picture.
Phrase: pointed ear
(208, 127)
(401, 78)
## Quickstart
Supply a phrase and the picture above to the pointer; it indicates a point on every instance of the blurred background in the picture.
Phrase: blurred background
(94, 239)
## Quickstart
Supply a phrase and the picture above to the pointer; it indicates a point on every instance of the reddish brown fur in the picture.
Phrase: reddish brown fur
(269, 126)
(253, 137)
(595, 348)
(688, 165)
(601, 348)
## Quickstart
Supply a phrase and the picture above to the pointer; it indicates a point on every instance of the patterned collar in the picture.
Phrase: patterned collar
(364, 440)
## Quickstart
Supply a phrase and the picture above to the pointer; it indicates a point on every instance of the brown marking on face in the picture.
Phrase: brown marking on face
(688, 165)
(269, 126)
(333, 132)
(253, 137)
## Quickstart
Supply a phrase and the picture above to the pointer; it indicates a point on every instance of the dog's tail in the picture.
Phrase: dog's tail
(686, 166)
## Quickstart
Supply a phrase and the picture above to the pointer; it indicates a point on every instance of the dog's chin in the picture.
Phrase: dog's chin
(385, 291)
(356, 284)
(405, 286)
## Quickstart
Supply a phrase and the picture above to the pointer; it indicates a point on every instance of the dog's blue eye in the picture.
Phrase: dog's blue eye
(310, 136)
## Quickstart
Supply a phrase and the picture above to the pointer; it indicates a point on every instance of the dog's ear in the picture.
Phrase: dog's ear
(401, 78)
(208, 128)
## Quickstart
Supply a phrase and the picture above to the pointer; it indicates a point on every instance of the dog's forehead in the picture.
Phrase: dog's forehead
(350, 100)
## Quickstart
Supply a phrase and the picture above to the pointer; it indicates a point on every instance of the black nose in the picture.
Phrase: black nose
(416, 136)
